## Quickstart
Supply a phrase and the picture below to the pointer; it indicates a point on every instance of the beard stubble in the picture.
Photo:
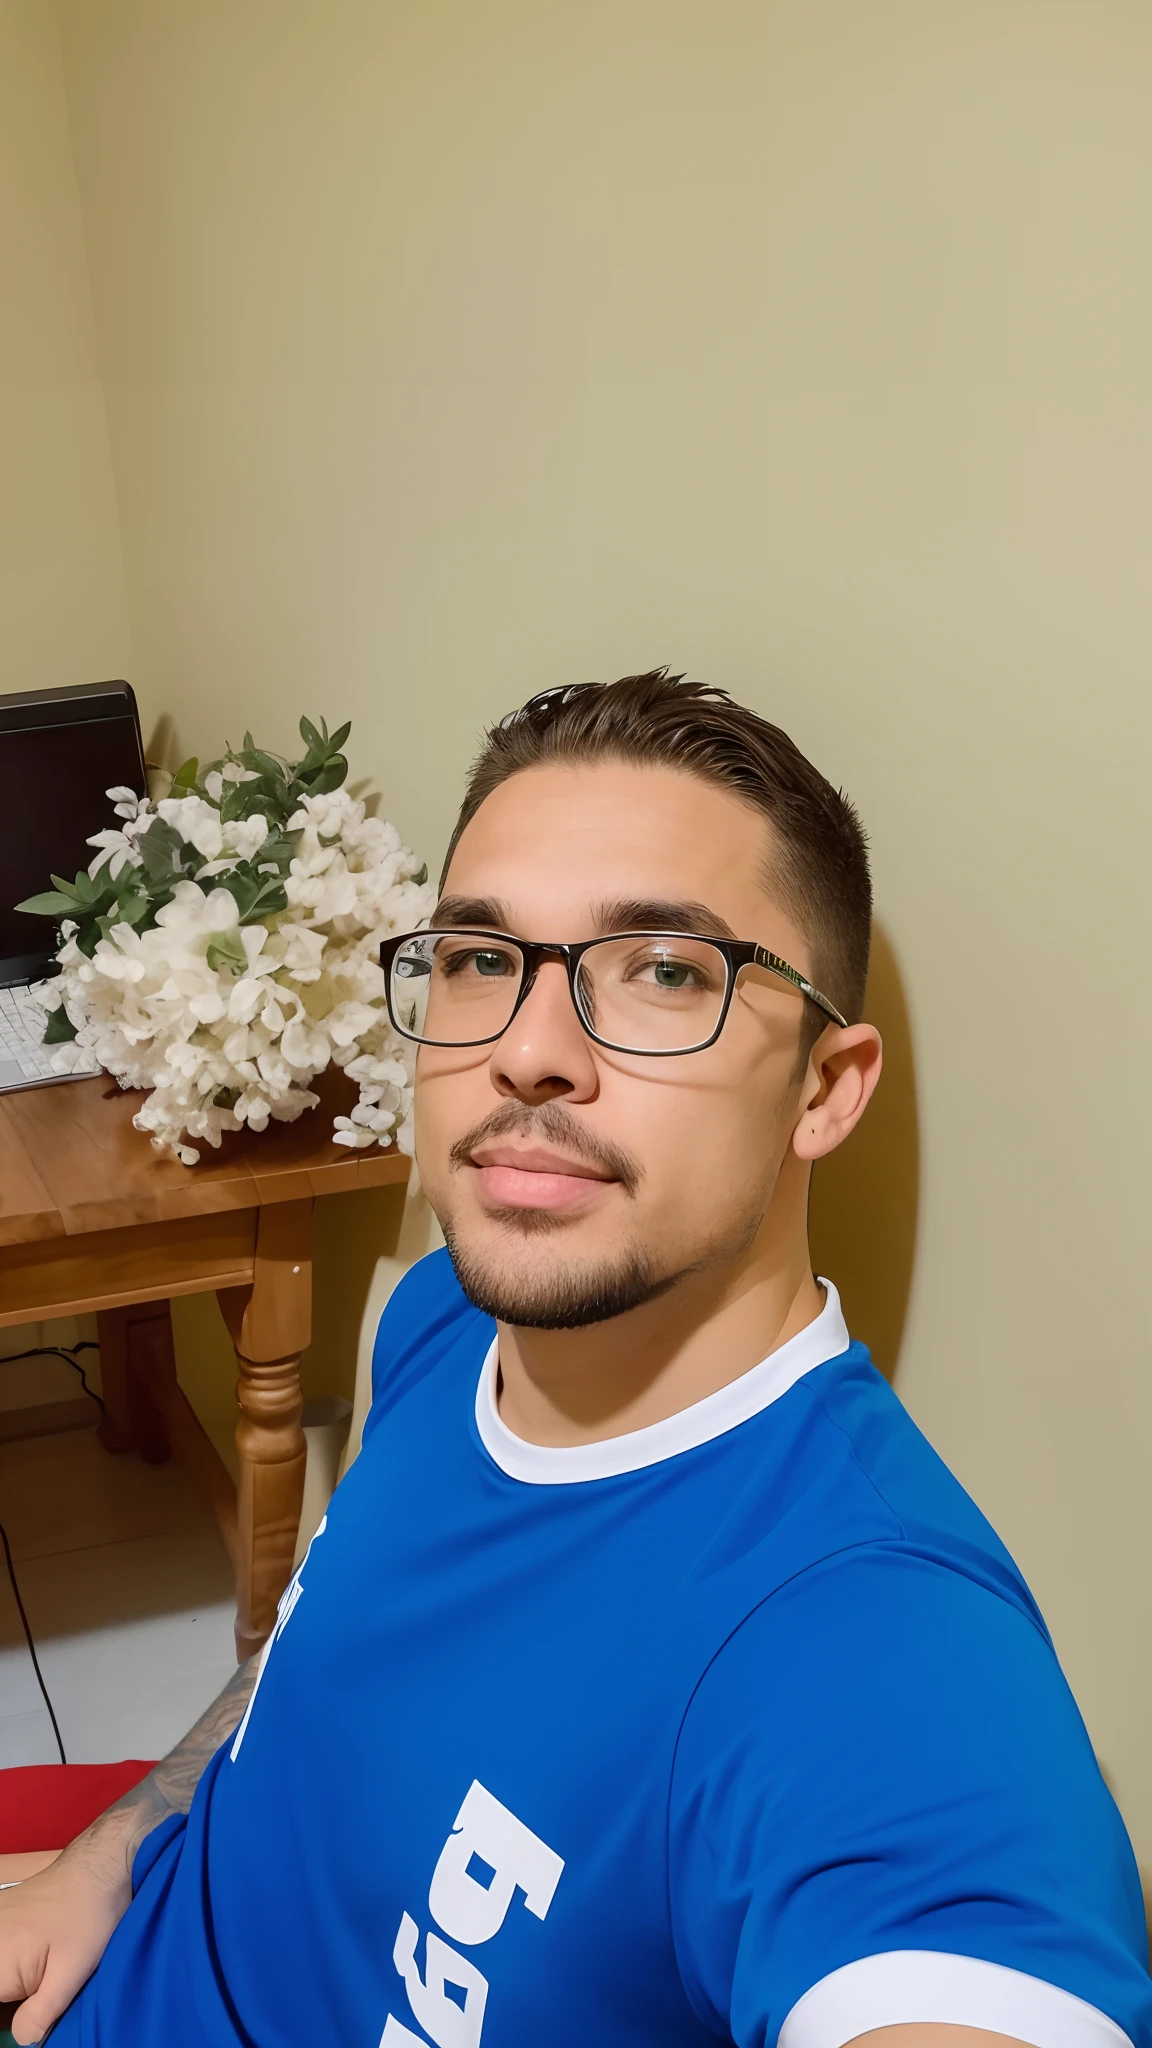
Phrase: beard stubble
(562, 1294)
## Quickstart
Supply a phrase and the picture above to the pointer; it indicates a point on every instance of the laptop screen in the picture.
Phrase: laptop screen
(59, 753)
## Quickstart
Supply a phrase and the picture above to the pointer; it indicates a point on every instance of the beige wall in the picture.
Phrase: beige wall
(63, 617)
(457, 347)
(63, 614)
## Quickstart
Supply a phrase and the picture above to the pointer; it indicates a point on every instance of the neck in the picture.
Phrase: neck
(564, 1387)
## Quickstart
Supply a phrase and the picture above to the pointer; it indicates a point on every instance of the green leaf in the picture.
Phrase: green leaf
(65, 888)
(184, 780)
(51, 904)
(59, 1028)
(323, 768)
(262, 763)
(330, 775)
(278, 850)
(269, 898)
(132, 898)
(99, 896)
(142, 910)
(422, 877)
(316, 775)
(160, 850)
(244, 799)
(225, 950)
(131, 909)
(88, 938)
(232, 800)
(256, 896)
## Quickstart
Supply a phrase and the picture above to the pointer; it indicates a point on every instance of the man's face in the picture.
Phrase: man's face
(572, 1182)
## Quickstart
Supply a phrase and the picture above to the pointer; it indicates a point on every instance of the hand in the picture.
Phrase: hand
(55, 1927)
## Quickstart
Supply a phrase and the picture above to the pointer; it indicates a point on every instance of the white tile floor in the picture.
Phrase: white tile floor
(129, 1593)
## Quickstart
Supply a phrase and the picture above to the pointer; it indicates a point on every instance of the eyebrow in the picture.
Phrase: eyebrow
(486, 912)
(653, 914)
(630, 914)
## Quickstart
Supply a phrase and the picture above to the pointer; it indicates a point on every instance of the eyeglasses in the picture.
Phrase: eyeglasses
(656, 993)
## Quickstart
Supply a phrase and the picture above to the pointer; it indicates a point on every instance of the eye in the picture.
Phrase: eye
(663, 970)
(671, 974)
(486, 961)
(491, 963)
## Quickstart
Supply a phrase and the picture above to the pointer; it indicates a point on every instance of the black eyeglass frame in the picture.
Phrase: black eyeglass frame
(736, 953)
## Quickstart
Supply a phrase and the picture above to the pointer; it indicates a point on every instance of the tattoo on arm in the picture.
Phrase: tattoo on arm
(169, 1788)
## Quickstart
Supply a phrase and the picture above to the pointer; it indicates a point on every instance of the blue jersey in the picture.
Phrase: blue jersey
(740, 1728)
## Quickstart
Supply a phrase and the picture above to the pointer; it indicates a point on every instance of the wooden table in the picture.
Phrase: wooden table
(91, 1218)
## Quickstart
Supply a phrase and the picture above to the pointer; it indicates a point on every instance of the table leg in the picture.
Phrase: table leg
(270, 1324)
(135, 1346)
(115, 1431)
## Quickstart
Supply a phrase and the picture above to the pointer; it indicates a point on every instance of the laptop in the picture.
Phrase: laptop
(60, 750)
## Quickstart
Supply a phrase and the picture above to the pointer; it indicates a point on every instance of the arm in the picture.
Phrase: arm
(933, 2036)
(55, 1927)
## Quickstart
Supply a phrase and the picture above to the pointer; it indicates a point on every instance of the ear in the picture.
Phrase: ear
(843, 1069)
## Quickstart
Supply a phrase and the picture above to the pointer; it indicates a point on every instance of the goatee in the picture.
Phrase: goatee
(562, 1299)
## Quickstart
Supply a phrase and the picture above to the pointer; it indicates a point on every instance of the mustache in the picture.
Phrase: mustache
(557, 1126)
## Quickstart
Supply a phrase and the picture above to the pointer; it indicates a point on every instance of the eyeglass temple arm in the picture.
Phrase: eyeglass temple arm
(775, 965)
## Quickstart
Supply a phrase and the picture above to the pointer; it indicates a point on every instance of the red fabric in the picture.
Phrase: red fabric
(45, 1806)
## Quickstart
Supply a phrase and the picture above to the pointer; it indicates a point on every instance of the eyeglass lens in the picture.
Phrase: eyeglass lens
(640, 994)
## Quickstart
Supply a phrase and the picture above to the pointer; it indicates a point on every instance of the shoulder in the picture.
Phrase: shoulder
(885, 1758)
(426, 1316)
(890, 1461)
(879, 1629)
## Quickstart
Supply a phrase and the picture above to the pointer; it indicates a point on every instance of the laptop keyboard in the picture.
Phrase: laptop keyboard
(23, 1055)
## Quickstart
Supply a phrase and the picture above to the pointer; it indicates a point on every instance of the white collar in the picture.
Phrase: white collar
(549, 1465)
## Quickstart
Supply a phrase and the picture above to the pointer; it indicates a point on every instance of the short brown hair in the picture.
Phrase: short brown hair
(819, 866)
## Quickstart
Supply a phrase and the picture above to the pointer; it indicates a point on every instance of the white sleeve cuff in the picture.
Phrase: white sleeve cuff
(926, 1985)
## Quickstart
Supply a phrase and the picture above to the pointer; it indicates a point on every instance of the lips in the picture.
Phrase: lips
(534, 1177)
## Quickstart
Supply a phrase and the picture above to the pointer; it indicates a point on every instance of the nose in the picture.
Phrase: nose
(545, 1051)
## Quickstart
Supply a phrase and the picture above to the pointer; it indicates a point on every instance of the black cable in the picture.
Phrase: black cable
(31, 1644)
(38, 1350)
(65, 1352)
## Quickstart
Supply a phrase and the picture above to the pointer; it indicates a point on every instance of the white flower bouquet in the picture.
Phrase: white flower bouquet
(221, 949)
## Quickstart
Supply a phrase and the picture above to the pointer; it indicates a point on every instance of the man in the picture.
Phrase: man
(650, 1680)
